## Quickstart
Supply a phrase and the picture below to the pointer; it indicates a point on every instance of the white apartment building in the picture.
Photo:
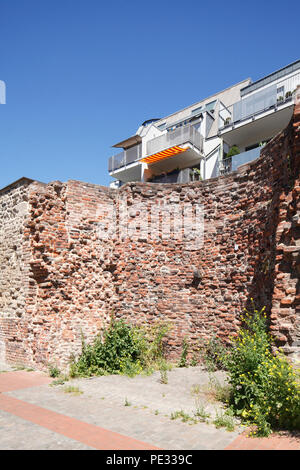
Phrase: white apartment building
(197, 142)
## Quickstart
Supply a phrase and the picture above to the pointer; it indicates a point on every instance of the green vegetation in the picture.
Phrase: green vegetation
(122, 349)
(60, 380)
(212, 354)
(224, 420)
(54, 371)
(185, 417)
(163, 369)
(200, 412)
(264, 388)
(234, 150)
(73, 390)
(126, 402)
(184, 353)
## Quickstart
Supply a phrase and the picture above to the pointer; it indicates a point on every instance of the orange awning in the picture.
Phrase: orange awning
(163, 154)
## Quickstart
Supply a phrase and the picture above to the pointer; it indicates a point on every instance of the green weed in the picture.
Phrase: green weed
(223, 420)
(73, 390)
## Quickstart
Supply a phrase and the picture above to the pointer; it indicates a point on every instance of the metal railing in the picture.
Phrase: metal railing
(180, 136)
(125, 158)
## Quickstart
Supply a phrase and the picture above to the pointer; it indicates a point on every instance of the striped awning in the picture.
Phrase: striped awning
(163, 154)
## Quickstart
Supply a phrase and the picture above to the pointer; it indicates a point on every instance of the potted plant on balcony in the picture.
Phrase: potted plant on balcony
(234, 150)
(196, 174)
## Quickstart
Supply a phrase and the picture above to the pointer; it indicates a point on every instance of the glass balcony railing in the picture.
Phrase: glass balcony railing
(125, 158)
(259, 102)
(180, 136)
(231, 164)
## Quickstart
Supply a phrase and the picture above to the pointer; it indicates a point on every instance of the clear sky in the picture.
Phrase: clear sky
(82, 75)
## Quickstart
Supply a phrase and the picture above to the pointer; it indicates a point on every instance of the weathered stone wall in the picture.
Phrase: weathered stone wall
(14, 270)
(79, 264)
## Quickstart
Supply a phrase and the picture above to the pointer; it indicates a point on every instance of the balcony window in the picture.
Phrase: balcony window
(280, 93)
(210, 106)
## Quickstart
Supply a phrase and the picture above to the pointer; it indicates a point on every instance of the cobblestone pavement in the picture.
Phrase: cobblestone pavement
(115, 412)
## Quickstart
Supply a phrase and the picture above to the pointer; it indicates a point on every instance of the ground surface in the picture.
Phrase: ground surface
(116, 412)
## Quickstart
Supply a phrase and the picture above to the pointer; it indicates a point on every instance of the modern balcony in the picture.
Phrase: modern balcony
(187, 137)
(257, 117)
(181, 136)
(252, 106)
(230, 164)
(125, 158)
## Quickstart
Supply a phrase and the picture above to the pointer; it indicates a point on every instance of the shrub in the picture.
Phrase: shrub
(264, 389)
(112, 353)
(122, 348)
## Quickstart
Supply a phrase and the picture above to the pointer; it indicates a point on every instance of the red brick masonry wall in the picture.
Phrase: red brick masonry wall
(81, 265)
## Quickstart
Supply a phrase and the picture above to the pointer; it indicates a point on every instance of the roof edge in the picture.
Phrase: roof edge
(205, 99)
(271, 74)
(22, 180)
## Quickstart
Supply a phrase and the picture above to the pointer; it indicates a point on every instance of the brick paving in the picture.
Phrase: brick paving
(273, 442)
(21, 379)
(89, 434)
(34, 415)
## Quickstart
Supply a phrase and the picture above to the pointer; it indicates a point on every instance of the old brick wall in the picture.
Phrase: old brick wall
(79, 264)
(70, 289)
(285, 311)
(250, 251)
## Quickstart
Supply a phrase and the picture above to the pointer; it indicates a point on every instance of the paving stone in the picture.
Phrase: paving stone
(98, 416)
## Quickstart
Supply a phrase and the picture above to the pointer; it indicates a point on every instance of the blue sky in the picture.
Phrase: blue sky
(82, 75)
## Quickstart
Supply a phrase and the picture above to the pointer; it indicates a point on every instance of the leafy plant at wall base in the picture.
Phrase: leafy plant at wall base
(163, 376)
(163, 372)
(212, 354)
(54, 371)
(195, 360)
(264, 387)
(110, 353)
(121, 349)
(184, 353)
